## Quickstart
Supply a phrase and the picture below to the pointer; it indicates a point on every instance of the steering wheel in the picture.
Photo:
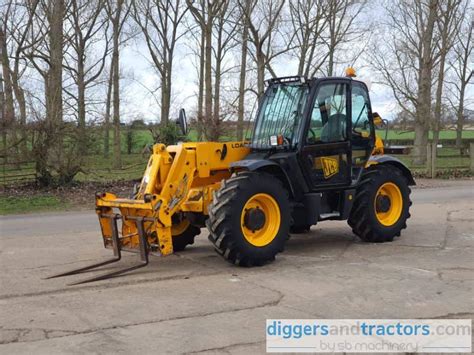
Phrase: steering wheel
(354, 132)
(313, 135)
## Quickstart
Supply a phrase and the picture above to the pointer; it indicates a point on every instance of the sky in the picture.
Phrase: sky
(140, 79)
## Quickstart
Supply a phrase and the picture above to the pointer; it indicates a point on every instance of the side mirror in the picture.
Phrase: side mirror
(182, 122)
(378, 122)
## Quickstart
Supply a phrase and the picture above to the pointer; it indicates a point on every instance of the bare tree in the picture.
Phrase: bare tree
(205, 13)
(7, 109)
(309, 20)
(225, 31)
(159, 21)
(406, 60)
(45, 52)
(2, 118)
(117, 12)
(54, 97)
(423, 107)
(448, 25)
(108, 104)
(243, 69)
(88, 30)
(459, 67)
(17, 27)
(341, 15)
(197, 47)
(201, 77)
(45, 45)
(2, 114)
(263, 19)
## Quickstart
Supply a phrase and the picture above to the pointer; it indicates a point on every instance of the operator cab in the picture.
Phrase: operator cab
(325, 124)
(312, 159)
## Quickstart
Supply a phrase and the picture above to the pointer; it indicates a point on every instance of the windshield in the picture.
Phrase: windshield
(280, 113)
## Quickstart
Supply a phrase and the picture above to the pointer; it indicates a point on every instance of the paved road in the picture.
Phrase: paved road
(194, 302)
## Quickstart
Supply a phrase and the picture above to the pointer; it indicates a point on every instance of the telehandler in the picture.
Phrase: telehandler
(313, 156)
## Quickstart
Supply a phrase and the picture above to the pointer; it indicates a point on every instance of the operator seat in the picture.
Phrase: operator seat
(335, 128)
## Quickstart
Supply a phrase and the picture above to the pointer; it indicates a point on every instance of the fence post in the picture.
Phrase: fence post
(434, 153)
(471, 155)
(428, 160)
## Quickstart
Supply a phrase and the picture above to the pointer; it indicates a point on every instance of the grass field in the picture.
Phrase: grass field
(96, 168)
(143, 137)
(448, 158)
(99, 169)
(22, 204)
(395, 135)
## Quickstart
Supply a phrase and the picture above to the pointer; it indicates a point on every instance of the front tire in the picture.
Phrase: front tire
(381, 206)
(249, 219)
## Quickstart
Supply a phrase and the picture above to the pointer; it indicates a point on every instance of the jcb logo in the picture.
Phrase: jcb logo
(330, 167)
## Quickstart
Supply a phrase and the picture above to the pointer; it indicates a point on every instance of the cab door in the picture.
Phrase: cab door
(326, 155)
(362, 131)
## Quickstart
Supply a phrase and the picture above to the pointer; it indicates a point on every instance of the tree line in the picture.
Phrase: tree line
(62, 71)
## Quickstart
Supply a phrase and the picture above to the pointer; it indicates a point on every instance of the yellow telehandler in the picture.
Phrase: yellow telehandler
(313, 156)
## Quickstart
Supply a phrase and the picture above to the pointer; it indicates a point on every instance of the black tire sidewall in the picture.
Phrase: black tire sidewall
(393, 176)
(260, 183)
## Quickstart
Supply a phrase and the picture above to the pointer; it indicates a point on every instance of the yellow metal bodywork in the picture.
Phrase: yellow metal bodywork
(378, 148)
(178, 178)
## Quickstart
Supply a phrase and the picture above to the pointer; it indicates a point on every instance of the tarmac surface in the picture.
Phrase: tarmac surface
(195, 302)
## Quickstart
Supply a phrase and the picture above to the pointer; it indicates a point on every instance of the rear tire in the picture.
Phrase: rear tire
(372, 218)
(229, 214)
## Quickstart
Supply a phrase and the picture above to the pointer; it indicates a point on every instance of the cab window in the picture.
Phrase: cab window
(360, 110)
(328, 117)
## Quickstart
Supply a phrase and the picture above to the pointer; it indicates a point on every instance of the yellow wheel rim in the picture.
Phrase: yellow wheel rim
(388, 204)
(265, 234)
(177, 229)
